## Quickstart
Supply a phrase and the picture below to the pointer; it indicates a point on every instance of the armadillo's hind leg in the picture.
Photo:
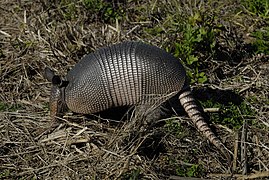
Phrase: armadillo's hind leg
(145, 115)
(190, 106)
(153, 113)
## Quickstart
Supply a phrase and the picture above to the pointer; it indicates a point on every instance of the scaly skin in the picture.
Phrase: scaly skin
(190, 106)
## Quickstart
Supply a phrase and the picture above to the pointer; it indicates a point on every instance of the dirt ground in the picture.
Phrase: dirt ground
(37, 34)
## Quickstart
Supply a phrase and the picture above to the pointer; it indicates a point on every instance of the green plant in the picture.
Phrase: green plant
(2, 106)
(195, 170)
(230, 115)
(261, 44)
(9, 107)
(107, 11)
(257, 7)
(198, 42)
(132, 175)
(68, 9)
(174, 127)
(4, 174)
(187, 170)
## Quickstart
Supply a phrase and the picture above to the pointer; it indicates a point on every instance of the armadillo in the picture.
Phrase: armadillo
(125, 74)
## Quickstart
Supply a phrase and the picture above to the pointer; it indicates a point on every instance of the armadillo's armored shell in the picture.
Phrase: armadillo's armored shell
(122, 74)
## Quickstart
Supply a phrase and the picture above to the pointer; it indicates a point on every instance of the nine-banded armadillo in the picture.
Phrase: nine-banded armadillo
(128, 73)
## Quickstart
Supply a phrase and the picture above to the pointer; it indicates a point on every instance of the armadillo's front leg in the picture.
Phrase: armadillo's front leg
(54, 102)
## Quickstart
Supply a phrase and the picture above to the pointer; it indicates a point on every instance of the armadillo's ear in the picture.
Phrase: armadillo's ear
(50, 76)
(56, 80)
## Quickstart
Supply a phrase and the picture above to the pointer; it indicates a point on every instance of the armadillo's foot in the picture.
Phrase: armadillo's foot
(48, 129)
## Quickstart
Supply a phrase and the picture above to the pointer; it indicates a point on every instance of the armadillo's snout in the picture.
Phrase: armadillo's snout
(55, 102)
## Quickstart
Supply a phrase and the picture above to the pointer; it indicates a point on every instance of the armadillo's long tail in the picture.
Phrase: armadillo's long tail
(190, 106)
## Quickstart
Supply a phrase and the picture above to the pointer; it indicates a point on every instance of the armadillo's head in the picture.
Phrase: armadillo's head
(57, 100)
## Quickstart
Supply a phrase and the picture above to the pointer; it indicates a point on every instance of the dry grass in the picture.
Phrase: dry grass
(35, 35)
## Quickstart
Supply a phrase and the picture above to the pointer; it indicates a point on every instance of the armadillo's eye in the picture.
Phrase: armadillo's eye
(63, 84)
(56, 80)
